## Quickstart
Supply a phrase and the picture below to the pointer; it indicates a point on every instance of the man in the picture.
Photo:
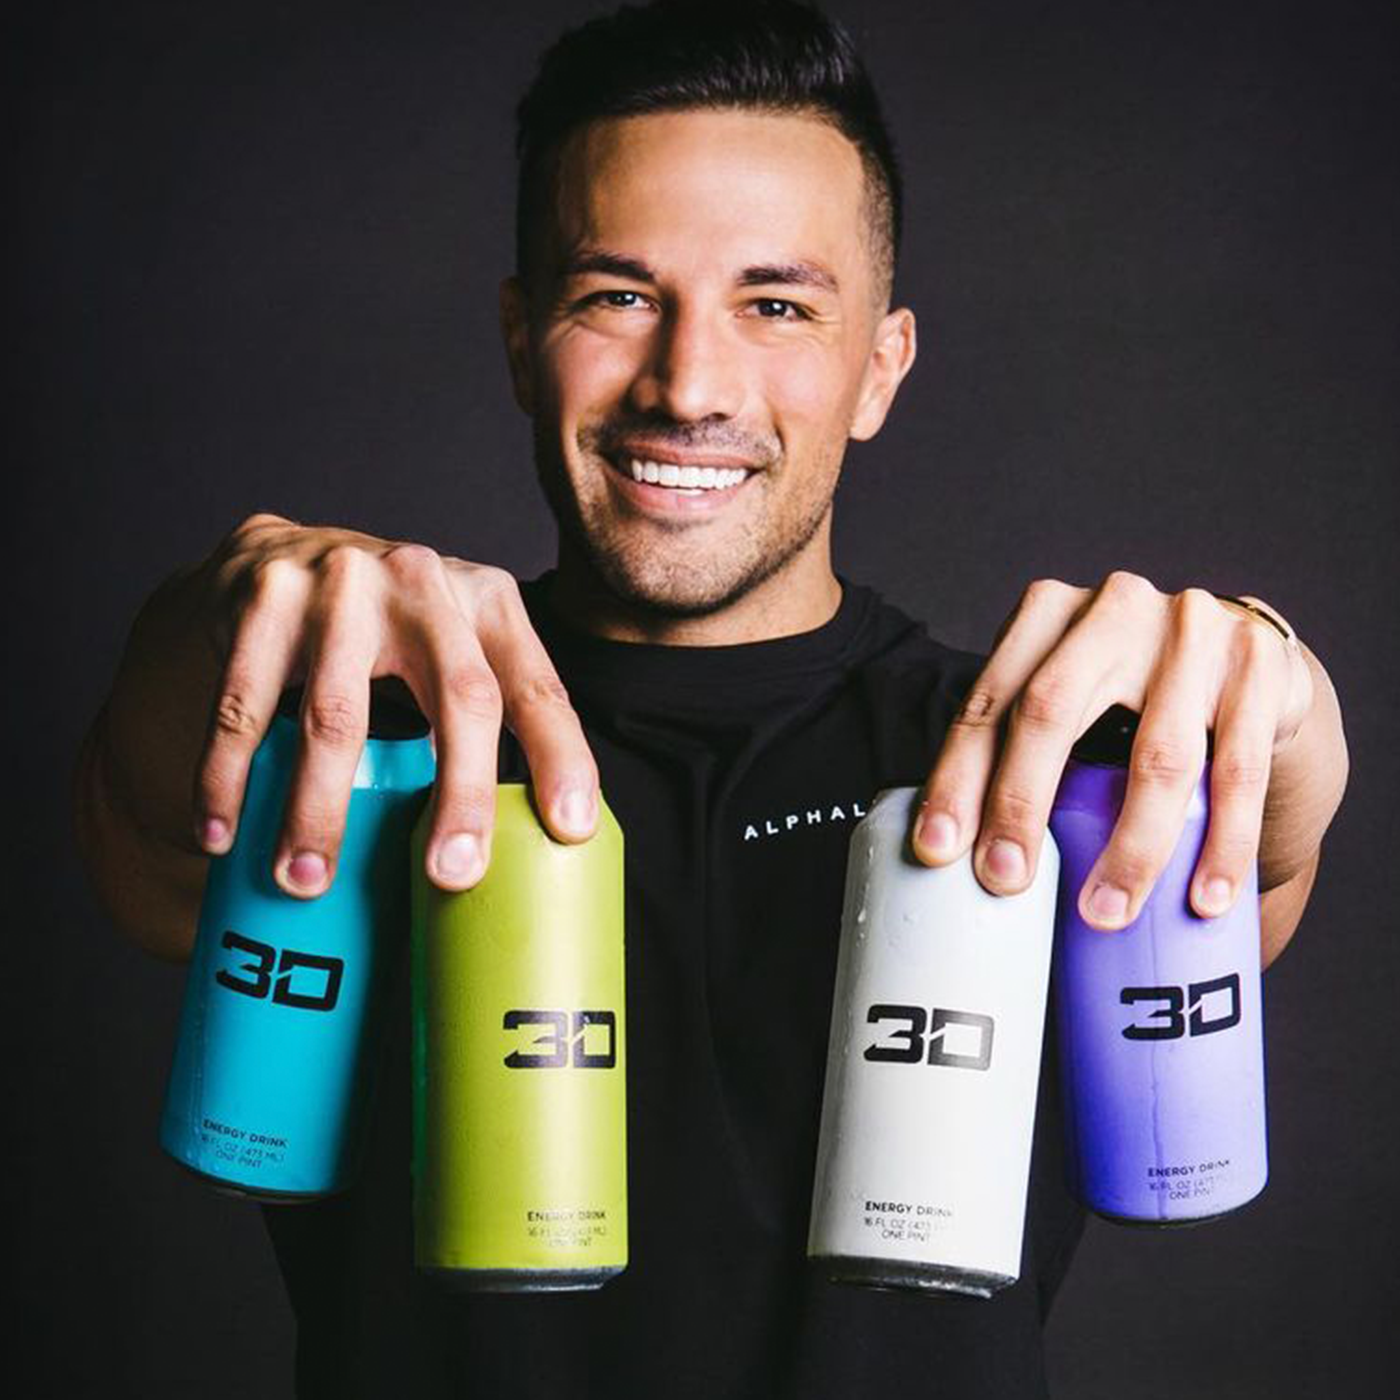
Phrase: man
(699, 321)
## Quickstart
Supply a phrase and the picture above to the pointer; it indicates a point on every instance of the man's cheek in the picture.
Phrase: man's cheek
(802, 386)
(579, 362)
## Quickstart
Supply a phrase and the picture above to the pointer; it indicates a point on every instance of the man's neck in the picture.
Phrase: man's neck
(800, 597)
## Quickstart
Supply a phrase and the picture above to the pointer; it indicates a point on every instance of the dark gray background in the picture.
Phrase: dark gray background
(1152, 250)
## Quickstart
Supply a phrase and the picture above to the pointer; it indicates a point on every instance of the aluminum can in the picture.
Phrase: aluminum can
(1160, 1024)
(519, 1063)
(284, 1002)
(932, 1067)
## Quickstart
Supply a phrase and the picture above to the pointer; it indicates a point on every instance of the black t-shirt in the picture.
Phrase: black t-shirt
(737, 774)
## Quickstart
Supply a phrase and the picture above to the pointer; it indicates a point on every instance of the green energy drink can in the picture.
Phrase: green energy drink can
(519, 1069)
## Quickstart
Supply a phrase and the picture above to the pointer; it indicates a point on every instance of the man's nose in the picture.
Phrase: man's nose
(694, 370)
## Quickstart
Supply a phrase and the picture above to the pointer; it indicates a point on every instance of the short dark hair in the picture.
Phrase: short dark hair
(780, 56)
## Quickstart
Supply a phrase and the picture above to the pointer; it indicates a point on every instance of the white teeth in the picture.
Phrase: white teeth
(686, 478)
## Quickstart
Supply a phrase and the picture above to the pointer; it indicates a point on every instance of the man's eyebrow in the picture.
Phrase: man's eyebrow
(585, 260)
(788, 274)
(793, 274)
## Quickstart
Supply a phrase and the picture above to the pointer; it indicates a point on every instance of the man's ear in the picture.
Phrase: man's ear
(891, 358)
(515, 332)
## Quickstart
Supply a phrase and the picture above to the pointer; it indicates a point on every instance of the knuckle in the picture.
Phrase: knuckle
(414, 565)
(269, 577)
(1239, 773)
(474, 691)
(466, 806)
(1044, 704)
(494, 591)
(979, 709)
(315, 825)
(258, 520)
(1013, 810)
(216, 793)
(234, 718)
(333, 719)
(1127, 589)
(1131, 866)
(1254, 646)
(341, 559)
(1046, 594)
(312, 813)
(491, 581)
(1194, 610)
(1234, 848)
(543, 688)
(1162, 761)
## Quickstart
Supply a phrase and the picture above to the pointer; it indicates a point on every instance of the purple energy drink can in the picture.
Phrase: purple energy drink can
(1160, 1024)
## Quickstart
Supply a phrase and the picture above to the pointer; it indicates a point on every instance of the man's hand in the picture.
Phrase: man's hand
(1186, 663)
(340, 608)
(162, 776)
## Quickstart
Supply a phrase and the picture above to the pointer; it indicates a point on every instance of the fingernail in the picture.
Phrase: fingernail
(576, 812)
(1215, 894)
(1108, 903)
(1006, 861)
(213, 835)
(307, 870)
(458, 859)
(938, 832)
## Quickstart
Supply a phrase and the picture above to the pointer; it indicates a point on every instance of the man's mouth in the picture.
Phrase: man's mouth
(681, 476)
(696, 474)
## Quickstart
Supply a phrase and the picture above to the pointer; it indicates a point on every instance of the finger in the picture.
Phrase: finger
(1239, 781)
(563, 773)
(455, 689)
(954, 795)
(432, 645)
(265, 645)
(1054, 707)
(1164, 766)
(342, 642)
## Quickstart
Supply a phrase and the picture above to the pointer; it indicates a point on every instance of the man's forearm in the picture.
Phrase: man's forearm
(1306, 782)
(133, 779)
(148, 886)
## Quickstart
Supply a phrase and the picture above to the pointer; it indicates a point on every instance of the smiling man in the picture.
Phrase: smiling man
(699, 322)
(692, 304)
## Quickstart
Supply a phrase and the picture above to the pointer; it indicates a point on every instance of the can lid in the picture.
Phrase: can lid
(392, 711)
(1109, 740)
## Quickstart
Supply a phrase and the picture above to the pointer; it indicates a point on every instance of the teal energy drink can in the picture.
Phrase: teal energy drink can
(270, 1082)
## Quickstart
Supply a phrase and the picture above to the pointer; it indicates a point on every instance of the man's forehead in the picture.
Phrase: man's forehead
(760, 188)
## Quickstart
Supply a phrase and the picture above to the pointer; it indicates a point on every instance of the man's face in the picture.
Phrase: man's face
(701, 323)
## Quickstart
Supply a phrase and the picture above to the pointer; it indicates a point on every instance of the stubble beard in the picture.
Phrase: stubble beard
(644, 576)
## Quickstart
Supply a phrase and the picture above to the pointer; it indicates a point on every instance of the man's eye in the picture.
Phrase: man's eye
(616, 300)
(775, 309)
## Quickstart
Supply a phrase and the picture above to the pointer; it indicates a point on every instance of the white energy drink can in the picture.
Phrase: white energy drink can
(932, 1069)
